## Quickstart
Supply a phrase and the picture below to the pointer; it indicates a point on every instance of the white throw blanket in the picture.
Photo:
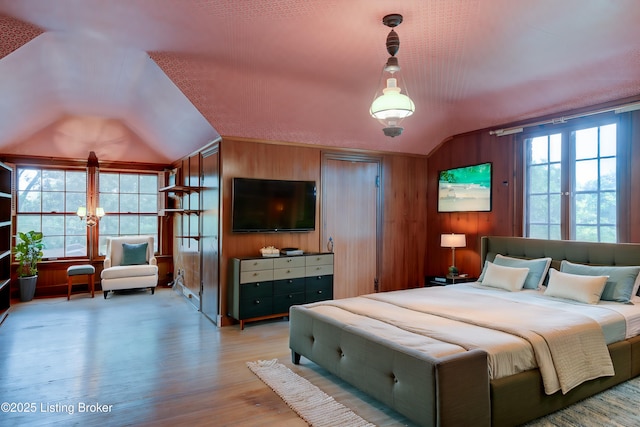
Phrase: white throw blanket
(569, 348)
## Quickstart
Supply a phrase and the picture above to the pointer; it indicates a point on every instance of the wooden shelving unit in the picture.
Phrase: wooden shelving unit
(6, 176)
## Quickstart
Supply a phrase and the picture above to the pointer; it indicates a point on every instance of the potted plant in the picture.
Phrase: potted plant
(28, 252)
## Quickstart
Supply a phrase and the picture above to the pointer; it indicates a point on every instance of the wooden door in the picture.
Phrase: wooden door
(350, 204)
(210, 196)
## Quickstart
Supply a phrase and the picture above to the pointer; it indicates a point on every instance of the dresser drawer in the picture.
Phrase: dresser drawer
(256, 290)
(288, 286)
(318, 288)
(256, 264)
(319, 270)
(288, 262)
(256, 307)
(322, 259)
(288, 273)
(281, 303)
(256, 276)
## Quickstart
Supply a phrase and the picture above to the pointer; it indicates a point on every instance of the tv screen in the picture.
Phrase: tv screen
(465, 189)
(269, 205)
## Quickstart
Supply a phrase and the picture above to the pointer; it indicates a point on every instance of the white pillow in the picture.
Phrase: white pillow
(508, 278)
(575, 287)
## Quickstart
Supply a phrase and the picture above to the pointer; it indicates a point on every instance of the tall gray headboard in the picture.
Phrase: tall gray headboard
(558, 250)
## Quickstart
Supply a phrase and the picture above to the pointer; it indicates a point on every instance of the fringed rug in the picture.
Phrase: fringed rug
(313, 405)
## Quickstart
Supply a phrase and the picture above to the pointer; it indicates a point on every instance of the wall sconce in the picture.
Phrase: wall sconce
(453, 241)
(392, 107)
(92, 219)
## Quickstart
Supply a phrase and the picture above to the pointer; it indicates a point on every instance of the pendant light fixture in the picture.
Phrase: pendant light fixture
(392, 107)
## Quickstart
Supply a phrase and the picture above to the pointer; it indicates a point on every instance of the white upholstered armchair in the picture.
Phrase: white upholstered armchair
(129, 264)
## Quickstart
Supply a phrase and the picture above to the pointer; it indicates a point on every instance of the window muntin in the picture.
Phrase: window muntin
(571, 184)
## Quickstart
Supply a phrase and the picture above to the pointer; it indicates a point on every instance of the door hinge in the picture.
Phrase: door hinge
(376, 285)
(377, 181)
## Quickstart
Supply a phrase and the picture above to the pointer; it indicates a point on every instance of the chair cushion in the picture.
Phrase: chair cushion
(134, 253)
(76, 270)
(119, 272)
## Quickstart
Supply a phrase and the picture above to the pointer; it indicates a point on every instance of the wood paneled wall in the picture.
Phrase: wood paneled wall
(505, 218)
(404, 201)
(269, 161)
(464, 150)
(405, 223)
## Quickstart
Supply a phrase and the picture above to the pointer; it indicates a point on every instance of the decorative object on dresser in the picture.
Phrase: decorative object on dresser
(265, 288)
(453, 241)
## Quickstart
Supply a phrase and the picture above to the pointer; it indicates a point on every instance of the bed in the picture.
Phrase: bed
(407, 349)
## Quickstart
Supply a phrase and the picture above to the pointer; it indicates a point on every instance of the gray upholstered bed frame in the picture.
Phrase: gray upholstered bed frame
(456, 390)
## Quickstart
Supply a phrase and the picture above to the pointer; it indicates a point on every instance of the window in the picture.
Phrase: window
(47, 200)
(572, 184)
(130, 202)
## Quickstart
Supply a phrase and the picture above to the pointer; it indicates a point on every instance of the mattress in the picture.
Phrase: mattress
(398, 317)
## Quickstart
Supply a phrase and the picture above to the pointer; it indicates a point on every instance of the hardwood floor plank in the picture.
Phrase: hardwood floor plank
(149, 360)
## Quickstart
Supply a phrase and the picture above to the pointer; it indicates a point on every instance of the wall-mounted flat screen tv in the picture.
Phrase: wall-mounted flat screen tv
(465, 189)
(270, 205)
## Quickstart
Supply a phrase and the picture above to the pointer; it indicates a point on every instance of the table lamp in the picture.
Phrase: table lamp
(453, 241)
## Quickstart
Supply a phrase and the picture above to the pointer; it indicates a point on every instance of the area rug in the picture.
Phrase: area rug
(311, 404)
(615, 407)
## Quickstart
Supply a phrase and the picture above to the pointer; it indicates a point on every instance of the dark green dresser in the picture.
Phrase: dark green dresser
(263, 288)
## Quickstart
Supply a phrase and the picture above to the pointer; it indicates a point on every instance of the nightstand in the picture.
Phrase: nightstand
(447, 280)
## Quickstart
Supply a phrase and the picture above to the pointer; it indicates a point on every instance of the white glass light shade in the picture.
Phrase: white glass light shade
(453, 240)
(82, 211)
(99, 212)
(392, 106)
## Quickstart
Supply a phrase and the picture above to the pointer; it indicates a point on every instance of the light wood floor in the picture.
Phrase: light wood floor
(148, 360)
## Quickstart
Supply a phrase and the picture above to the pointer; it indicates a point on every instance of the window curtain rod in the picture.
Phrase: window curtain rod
(517, 129)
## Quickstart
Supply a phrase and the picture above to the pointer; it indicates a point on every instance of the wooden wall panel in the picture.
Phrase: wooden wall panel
(270, 161)
(464, 150)
(405, 226)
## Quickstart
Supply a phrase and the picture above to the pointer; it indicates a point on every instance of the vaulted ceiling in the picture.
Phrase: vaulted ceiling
(153, 81)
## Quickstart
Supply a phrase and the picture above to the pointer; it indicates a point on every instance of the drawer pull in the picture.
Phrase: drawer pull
(257, 285)
(288, 271)
(290, 296)
(289, 260)
(257, 301)
(290, 280)
(320, 291)
(319, 277)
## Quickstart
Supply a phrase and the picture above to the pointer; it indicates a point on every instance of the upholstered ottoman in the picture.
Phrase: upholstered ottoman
(80, 270)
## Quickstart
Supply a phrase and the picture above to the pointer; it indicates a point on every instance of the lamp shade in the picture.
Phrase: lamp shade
(453, 240)
(392, 105)
(100, 212)
(82, 211)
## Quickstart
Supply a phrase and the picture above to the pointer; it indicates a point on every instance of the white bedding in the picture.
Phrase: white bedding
(384, 315)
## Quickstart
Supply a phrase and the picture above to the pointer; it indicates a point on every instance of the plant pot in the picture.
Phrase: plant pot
(27, 287)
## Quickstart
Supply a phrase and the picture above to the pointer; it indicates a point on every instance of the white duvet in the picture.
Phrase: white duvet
(518, 330)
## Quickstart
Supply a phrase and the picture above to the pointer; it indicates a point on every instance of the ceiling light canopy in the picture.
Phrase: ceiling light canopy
(392, 107)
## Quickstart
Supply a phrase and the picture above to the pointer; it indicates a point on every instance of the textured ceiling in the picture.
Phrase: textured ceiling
(155, 80)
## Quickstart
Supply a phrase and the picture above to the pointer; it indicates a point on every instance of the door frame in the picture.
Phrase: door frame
(356, 157)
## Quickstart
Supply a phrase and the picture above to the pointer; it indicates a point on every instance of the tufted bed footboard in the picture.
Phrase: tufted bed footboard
(448, 391)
